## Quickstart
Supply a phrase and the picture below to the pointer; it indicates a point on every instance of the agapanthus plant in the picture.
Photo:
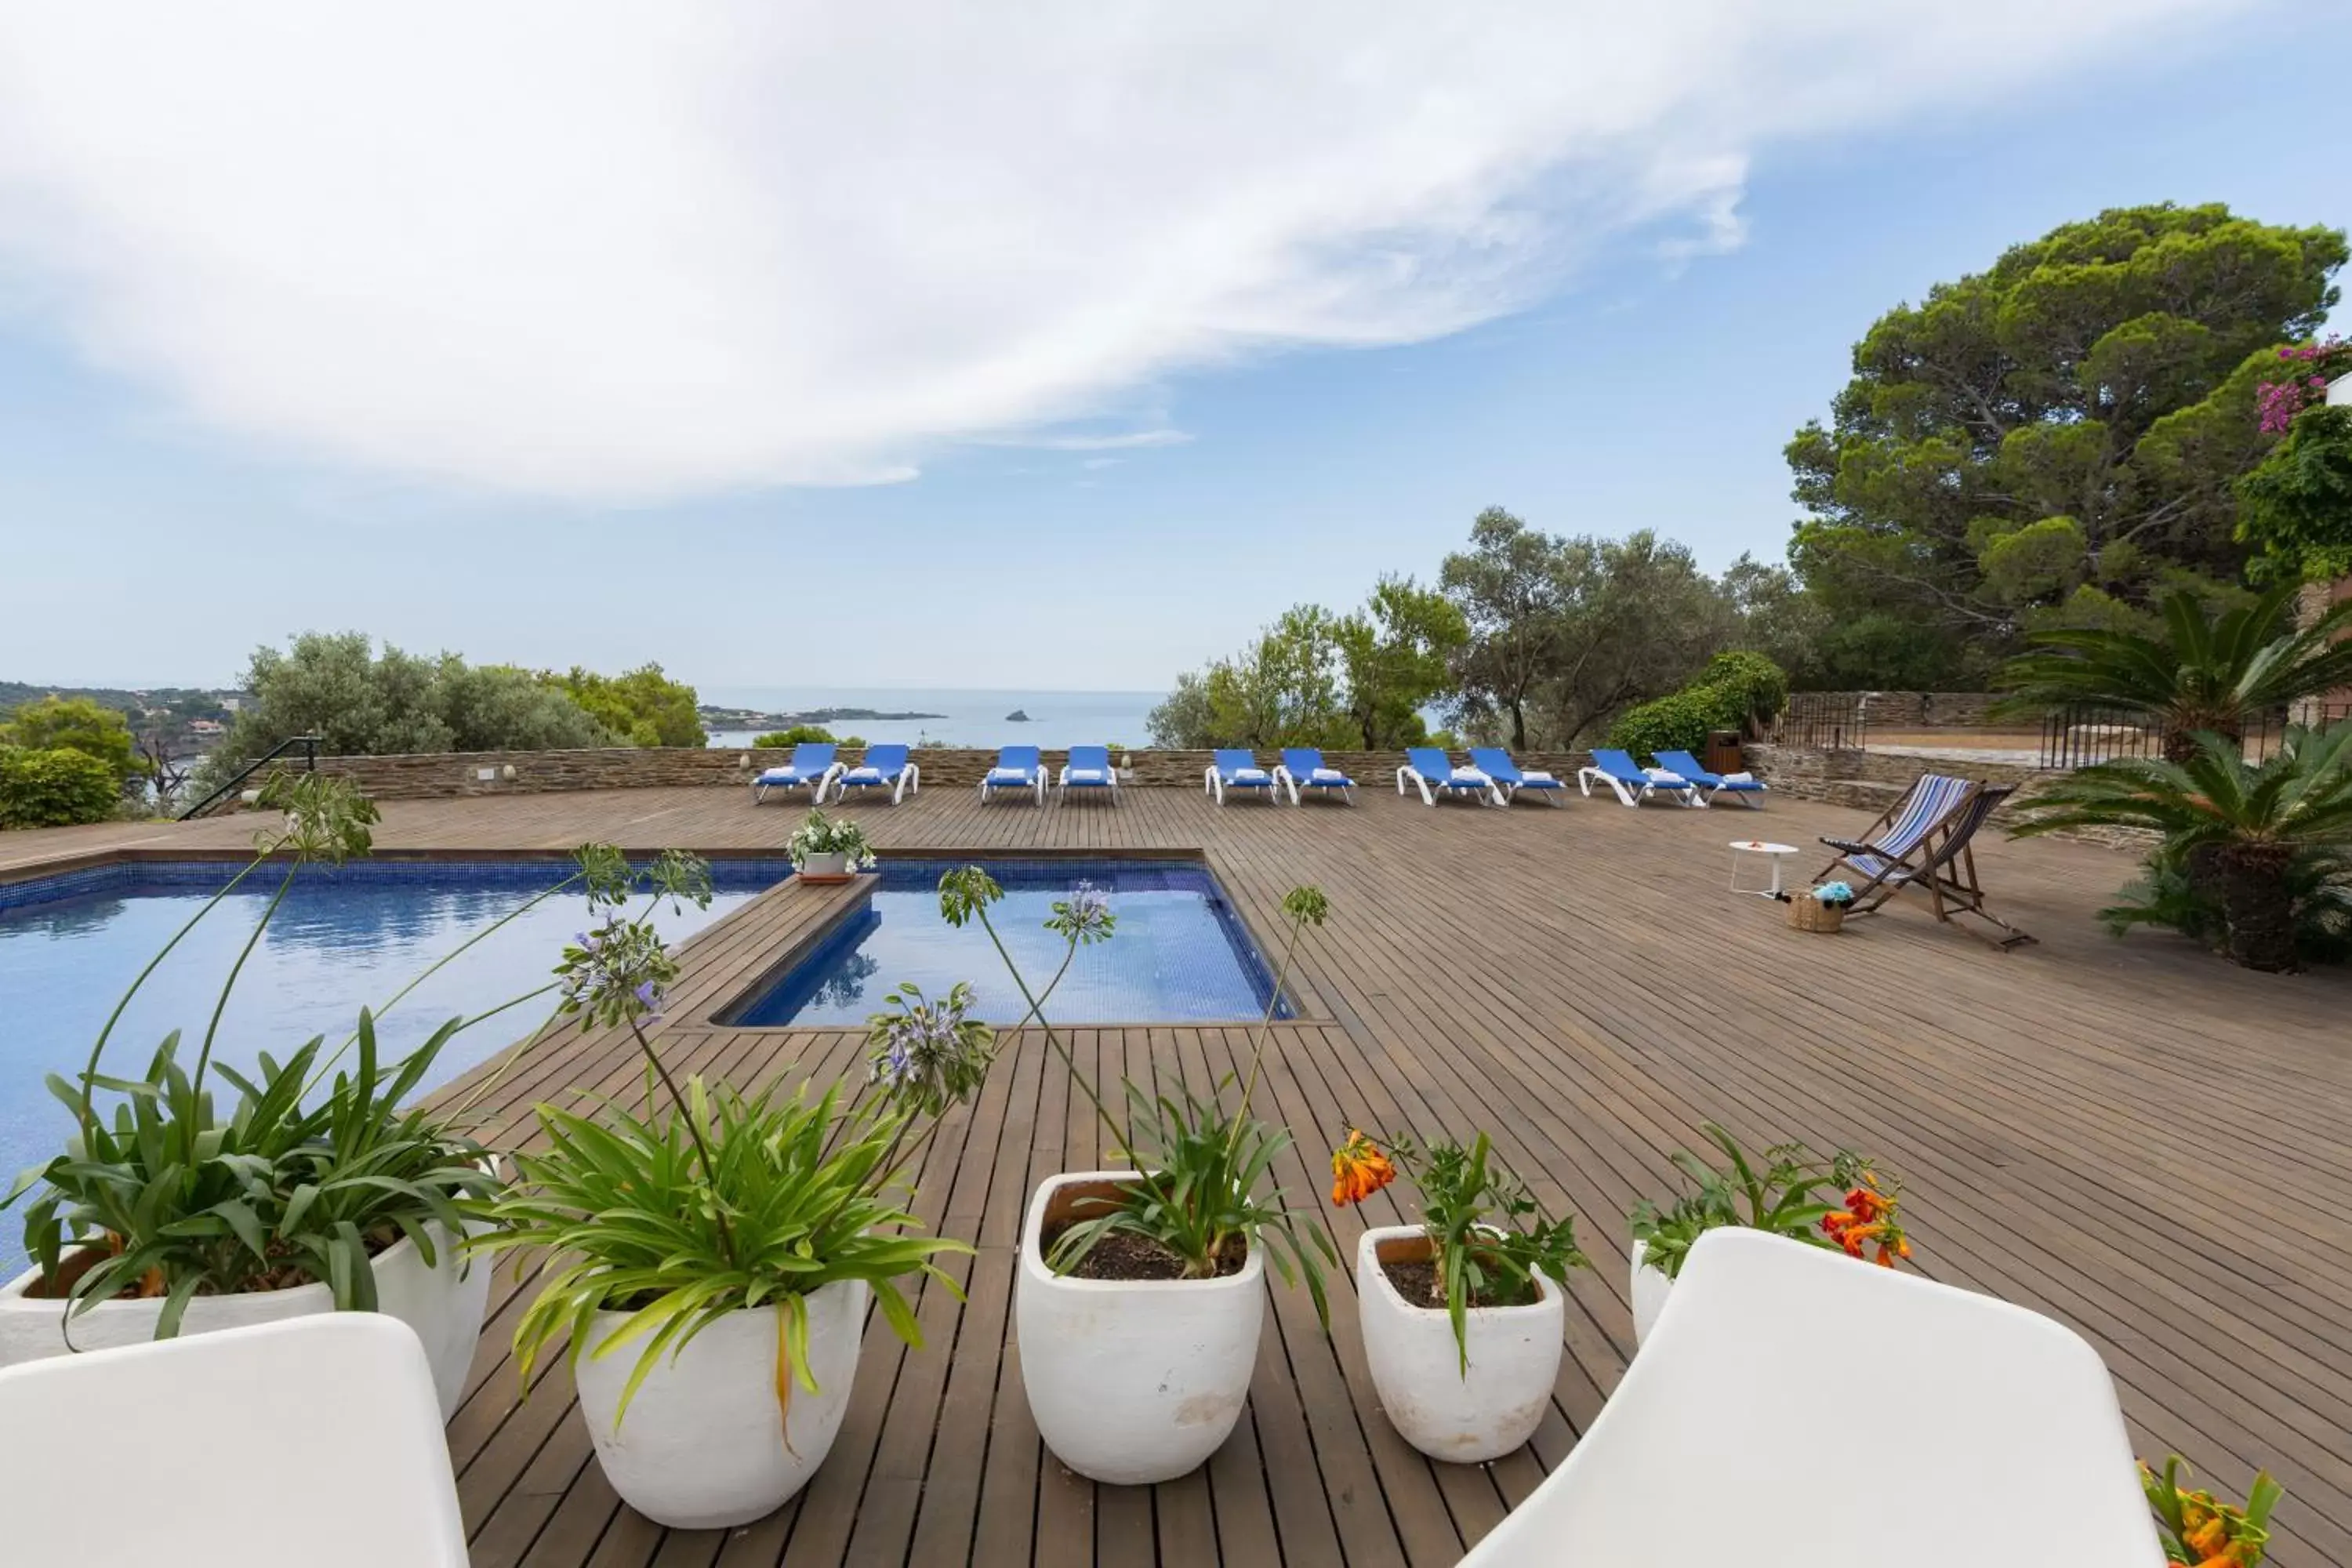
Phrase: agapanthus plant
(1199, 1166)
(712, 1202)
(160, 1195)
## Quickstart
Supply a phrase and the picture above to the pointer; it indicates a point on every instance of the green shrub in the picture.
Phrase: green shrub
(798, 734)
(1734, 691)
(55, 788)
(75, 724)
(1750, 689)
(1679, 722)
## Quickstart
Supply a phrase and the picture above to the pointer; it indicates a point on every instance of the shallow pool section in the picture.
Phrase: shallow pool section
(346, 937)
(1180, 954)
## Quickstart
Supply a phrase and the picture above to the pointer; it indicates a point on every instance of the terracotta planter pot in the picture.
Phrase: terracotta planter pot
(1131, 1382)
(443, 1302)
(703, 1445)
(1462, 1417)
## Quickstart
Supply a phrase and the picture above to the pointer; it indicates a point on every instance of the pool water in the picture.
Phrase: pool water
(344, 938)
(1180, 954)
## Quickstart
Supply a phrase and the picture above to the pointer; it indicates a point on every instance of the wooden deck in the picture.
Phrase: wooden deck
(2131, 1136)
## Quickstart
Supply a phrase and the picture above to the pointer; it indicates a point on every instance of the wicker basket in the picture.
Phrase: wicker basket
(1807, 912)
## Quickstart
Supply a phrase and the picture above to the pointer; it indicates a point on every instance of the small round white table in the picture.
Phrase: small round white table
(1774, 855)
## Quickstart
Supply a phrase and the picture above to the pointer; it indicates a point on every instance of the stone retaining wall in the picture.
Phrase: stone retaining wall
(1916, 709)
(1872, 781)
(443, 775)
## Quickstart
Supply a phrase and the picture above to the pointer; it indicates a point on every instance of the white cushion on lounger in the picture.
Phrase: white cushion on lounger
(1327, 775)
(1470, 776)
(1249, 776)
(1740, 778)
(1536, 776)
(1664, 775)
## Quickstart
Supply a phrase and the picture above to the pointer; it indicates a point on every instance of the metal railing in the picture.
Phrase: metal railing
(308, 744)
(2083, 734)
(1823, 722)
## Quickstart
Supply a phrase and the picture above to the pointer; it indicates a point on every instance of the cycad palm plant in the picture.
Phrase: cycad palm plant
(2201, 673)
(2245, 826)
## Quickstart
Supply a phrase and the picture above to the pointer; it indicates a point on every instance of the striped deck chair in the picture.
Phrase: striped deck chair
(1924, 842)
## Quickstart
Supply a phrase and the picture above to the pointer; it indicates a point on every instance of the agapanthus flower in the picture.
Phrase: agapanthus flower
(614, 974)
(1085, 917)
(928, 1055)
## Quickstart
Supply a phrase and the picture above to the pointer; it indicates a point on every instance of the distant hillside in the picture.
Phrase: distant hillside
(177, 701)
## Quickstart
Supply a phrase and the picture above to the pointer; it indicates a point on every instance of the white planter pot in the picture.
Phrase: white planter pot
(1131, 1382)
(1650, 1288)
(444, 1303)
(1463, 1418)
(703, 1445)
(832, 863)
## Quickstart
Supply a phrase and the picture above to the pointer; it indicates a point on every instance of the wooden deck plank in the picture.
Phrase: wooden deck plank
(2131, 1135)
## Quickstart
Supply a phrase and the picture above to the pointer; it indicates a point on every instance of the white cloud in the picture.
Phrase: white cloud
(1116, 441)
(629, 252)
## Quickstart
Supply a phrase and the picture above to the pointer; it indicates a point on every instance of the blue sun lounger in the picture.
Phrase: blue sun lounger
(1237, 769)
(1428, 768)
(1711, 785)
(812, 764)
(1302, 768)
(1089, 768)
(1017, 768)
(1634, 784)
(1497, 765)
(884, 767)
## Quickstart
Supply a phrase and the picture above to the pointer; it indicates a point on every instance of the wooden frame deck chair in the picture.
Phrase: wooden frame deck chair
(1925, 841)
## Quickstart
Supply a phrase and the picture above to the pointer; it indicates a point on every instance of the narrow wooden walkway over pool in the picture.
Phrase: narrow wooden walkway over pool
(2132, 1136)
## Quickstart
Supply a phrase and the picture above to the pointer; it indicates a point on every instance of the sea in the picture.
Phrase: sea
(966, 717)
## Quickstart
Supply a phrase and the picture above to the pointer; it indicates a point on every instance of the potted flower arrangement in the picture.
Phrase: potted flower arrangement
(1820, 909)
(829, 850)
(716, 1252)
(2199, 1532)
(1780, 1191)
(164, 1217)
(1461, 1315)
(1139, 1293)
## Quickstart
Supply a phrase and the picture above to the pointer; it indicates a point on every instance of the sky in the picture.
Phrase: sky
(1056, 347)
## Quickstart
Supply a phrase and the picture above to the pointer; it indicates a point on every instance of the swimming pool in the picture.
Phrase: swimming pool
(346, 937)
(1180, 953)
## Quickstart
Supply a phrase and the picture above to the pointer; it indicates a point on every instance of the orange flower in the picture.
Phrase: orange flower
(2208, 1540)
(1359, 1170)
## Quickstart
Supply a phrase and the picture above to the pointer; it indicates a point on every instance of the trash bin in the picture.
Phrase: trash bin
(1723, 754)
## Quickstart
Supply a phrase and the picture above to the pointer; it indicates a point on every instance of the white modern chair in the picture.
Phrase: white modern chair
(1793, 1409)
(288, 1444)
